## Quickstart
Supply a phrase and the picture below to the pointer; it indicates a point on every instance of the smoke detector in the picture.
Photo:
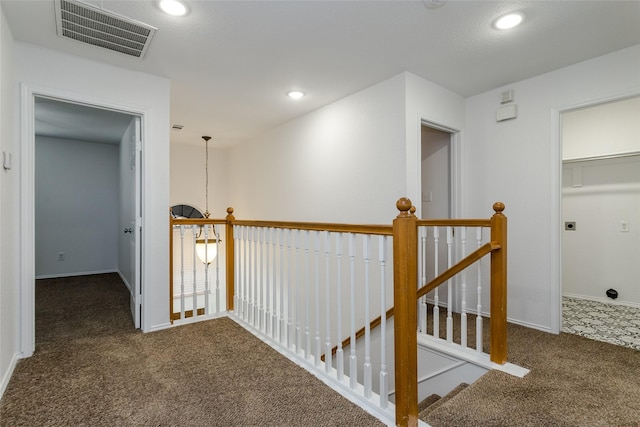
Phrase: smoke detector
(88, 24)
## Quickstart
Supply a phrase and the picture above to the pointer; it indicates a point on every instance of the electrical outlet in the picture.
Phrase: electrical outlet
(624, 226)
(61, 256)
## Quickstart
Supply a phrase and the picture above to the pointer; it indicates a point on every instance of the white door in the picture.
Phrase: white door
(135, 230)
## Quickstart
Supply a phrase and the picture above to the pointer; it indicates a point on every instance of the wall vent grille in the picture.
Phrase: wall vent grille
(97, 27)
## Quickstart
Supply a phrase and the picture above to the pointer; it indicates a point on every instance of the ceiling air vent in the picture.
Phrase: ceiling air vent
(89, 24)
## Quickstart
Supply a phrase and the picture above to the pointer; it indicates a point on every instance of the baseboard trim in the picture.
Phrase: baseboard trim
(8, 374)
(602, 300)
(159, 327)
(82, 273)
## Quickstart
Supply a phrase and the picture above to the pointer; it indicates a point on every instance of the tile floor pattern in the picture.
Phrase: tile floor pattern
(615, 324)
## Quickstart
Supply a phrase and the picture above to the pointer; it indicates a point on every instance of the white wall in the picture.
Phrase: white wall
(76, 205)
(341, 163)
(75, 78)
(611, 128)
(518, 162)
(9, 284)
(188, 177)
(597, 255)
(428, 102)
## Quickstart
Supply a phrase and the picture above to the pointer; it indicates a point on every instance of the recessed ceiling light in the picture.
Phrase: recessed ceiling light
(508, 21)
(295, 94)
(173, 7)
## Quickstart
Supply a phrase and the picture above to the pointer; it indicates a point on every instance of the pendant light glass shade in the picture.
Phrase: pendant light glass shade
(207, 249)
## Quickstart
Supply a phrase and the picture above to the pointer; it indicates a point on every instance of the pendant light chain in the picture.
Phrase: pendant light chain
(206, 171)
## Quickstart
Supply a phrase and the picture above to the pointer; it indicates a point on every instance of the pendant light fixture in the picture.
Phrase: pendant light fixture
(207, 242)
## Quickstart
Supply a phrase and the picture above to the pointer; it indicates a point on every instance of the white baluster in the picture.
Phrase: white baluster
(317, 269)
(298, 291)
(422, 304)
(217, 237)
(353, 358)
(181, 272)
(290, 325)
(206, 272)
(194, 294)
(246, 278)
(479, 307)
(307, 287)
(274, 296)
(384, 380)
(260, 279)
(339, 352)
(436, 299)
(281, 241)
(267, 279)
(252, 280)
(449, 285)
(463, 290)
(236, 264)
(327, 346)
(366, 241)
(257, 290)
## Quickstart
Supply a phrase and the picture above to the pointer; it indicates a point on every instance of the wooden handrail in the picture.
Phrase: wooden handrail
(385, 230)
(197, 221)
(454, 222)
(458, 267)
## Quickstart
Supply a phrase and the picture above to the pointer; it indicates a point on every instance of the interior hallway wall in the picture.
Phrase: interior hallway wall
(9, 218)
(76, 201)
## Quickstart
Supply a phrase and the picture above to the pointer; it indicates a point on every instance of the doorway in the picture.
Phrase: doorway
(435, 172)
(600, 201)
(63, 232)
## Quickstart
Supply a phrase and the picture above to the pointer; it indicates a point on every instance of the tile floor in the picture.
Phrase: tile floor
(615, 324)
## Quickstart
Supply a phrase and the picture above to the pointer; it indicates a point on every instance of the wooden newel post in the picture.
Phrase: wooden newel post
(230, 258)
(171, 265)
(498, 350)
(405, 272)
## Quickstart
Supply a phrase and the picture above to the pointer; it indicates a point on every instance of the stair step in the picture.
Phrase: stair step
(422, 413)
(428, 402)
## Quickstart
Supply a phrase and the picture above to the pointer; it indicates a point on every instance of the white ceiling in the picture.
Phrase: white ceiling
(231, 62)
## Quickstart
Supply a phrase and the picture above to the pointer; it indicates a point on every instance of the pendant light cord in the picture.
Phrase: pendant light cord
(206, 171)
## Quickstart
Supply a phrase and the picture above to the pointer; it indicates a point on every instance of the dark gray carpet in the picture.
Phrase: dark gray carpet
(573, 381)
(91, 368)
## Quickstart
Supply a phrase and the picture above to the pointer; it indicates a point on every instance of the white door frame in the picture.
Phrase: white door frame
(555, 251)
(28, 93)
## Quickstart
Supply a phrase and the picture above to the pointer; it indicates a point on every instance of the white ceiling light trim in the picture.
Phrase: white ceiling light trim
(173, 7)
(508, 21)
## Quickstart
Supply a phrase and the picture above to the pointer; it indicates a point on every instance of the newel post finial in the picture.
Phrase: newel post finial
(405, 207)
(498, 207)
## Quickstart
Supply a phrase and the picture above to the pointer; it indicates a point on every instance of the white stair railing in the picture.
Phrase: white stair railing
(195, 288)
(303, 276)
(436, 255)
